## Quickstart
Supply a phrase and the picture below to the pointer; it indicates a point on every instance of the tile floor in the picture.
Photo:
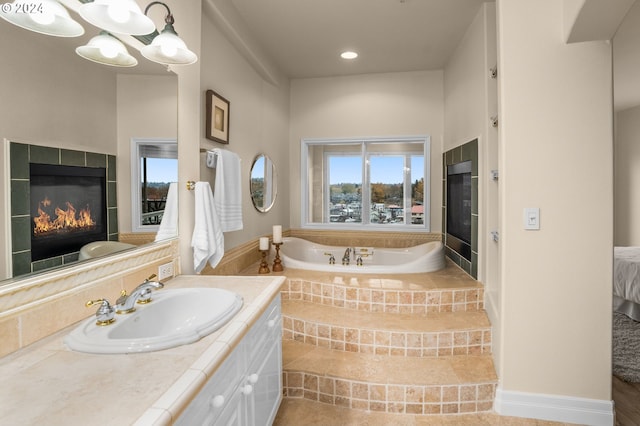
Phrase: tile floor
(300, 412)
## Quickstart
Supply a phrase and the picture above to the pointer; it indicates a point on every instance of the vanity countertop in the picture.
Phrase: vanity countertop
(46, 383)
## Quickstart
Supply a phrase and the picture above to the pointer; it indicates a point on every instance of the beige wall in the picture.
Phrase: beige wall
(555, 154)
(626, 68)
(627, 178)
(258, 125)
(147, 108)
(465, 87)
(394, 104)
(189, 129)
(53, 97)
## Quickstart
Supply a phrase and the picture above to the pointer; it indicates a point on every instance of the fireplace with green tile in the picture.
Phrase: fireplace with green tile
(460, 205)
(60, 200)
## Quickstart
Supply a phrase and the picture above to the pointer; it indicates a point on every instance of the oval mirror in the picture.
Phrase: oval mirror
(262, 183)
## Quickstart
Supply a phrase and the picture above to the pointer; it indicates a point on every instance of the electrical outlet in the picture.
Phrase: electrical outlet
(165, 271)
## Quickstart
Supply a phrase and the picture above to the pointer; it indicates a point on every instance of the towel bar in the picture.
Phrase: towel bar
(212, 157)
(191, 185)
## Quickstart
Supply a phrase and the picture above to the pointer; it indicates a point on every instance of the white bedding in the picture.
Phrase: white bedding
(626, 273)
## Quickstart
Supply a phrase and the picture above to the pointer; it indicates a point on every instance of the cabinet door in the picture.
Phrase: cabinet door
(266, 378)
(262, 332)
(246, 389)
(214, 398)
(233, 414)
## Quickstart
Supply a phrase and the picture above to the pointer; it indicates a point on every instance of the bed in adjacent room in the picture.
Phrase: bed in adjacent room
(626, 306)
(626, 281)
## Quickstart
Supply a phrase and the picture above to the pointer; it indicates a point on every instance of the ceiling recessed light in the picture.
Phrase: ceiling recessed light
(349, 55)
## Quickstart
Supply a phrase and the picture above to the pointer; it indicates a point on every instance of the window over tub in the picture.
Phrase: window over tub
(366, 183)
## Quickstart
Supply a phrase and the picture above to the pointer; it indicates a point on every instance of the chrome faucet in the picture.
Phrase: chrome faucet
(105, 313)
(141, 294)
(346, 257)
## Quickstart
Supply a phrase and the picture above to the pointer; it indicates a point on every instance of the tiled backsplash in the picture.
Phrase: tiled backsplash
(32, 308)
(20, 157)
(346, 238)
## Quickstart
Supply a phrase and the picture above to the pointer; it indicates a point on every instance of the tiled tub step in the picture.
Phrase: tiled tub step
(407, 293)
(445, 385)
(296, 412)
(427, 335)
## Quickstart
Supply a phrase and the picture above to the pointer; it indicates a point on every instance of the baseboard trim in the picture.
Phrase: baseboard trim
(557, 408)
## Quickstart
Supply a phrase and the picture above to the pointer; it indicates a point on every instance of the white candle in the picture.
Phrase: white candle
(264, 243)
(277, 234)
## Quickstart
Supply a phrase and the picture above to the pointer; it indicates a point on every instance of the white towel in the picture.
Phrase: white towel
(228, 190)
(169, 223)
(207, 240)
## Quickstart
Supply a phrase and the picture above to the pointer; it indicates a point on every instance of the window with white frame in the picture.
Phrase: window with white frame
(154, 166)
(369, 183)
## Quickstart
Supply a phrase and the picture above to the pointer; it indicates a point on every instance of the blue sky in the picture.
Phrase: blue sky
(162, 170)
(257, 170)
(347, 169)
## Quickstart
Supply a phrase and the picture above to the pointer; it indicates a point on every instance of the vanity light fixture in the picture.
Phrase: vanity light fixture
(45, 17)
(167, 48)
(117, 16)
(108, 50)
(114, 17)
(348, 55)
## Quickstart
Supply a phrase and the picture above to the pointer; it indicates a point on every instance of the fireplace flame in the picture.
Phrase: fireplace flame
(64, 220)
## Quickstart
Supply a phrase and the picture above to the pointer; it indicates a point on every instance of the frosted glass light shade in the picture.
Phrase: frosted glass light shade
(168, 49)
(117, 16)
(45, 17)
(108, 50)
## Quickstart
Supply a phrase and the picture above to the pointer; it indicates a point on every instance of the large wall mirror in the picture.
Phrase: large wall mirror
(263, 183)
(61, 109)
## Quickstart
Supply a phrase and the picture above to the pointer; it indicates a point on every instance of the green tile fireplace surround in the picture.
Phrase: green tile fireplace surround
(459, 154)
(20, 157)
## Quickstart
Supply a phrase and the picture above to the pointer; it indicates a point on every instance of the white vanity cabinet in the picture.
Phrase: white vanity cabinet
(246, 389)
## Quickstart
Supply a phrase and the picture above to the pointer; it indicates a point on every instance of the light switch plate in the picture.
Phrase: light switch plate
(532, 218)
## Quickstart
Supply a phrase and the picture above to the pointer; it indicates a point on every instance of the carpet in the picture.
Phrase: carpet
(626, 348)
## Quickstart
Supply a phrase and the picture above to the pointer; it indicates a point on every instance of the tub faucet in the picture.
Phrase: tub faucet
(141, 294)
(346, 257)
(332, 260)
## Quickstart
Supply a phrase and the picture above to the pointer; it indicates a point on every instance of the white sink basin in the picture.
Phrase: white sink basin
(174, 317)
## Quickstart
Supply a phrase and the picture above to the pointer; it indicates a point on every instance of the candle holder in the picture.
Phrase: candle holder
(264, 267)
(277, 263)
